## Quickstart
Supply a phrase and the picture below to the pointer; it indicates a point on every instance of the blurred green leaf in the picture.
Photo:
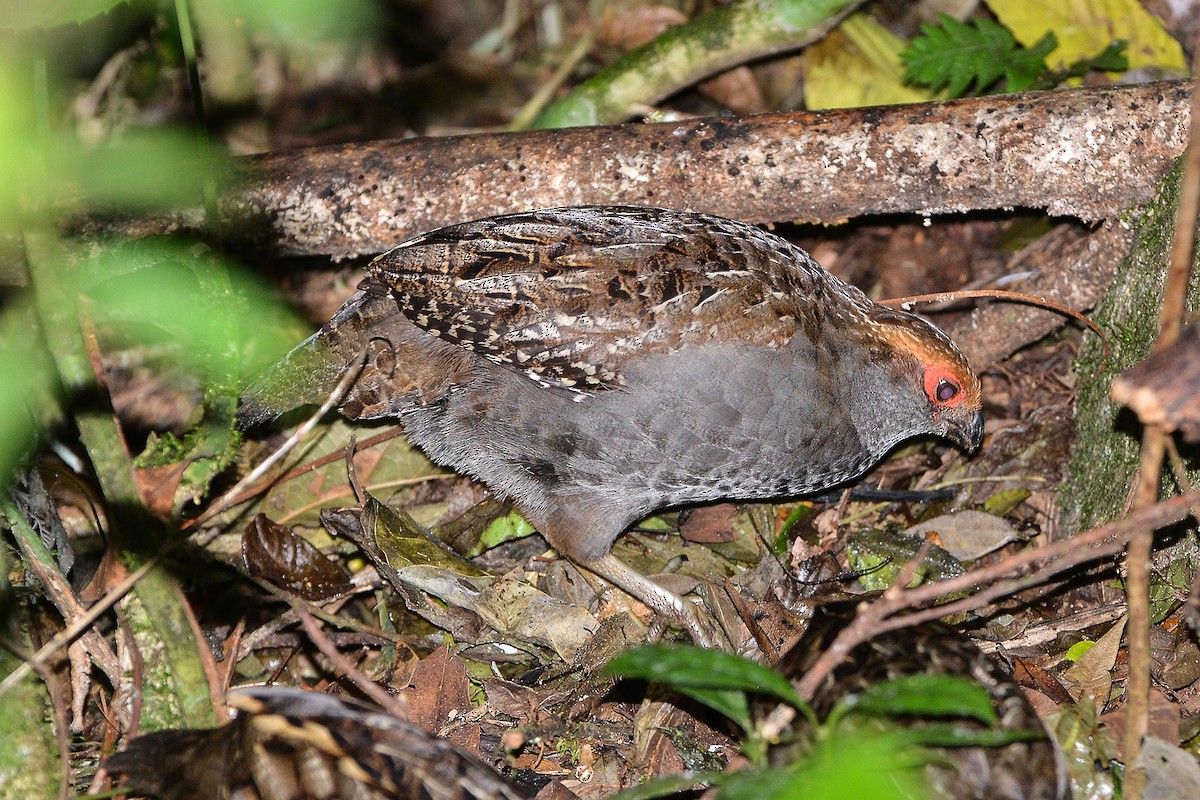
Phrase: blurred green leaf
(147, 170)
(926, 695)
(19, 159)
(949, 735)
(44, 172)
(864, 765)
(300, 22)
(27, 380)
(664, 786)
(152, 291)
(49, 13)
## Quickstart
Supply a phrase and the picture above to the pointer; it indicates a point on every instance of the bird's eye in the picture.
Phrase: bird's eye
(946, 391)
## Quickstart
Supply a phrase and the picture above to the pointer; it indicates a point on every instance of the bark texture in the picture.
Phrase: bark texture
(1088, 153)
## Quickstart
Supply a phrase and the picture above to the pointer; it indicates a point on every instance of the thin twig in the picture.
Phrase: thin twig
(907, 303)
(309, 466)
(85, 620)
(235, 494)
(343, 665)
(81, 624)
(1103, 542)
(1137, 579)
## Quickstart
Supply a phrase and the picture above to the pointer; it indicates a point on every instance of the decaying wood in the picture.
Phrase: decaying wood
(1087, 153)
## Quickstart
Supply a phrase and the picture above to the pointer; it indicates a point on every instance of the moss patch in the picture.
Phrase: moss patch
(1106, 452)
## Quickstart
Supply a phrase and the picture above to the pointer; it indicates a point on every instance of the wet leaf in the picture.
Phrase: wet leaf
(858, 64)
(404, 543)
(880, 555)
(1005, 501)
(386, 465)
(1090, 676)
(1085, 27)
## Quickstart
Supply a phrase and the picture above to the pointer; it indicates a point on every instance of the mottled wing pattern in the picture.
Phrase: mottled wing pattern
(288, 744)
(1031, 767)
(566, 295)
(369, 754)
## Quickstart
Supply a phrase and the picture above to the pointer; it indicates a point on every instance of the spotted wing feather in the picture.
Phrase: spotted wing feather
(566, 295)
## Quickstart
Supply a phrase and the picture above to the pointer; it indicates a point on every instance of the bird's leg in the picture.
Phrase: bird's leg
(659, 599)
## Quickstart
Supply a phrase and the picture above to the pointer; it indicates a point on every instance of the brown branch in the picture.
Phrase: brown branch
(1149, 479)
(882, 615)
(1088, 153)
(393, 705)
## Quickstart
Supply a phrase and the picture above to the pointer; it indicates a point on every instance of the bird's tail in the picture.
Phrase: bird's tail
(313, 369)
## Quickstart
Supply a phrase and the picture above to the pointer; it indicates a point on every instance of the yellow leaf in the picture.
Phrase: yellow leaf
(858, 64)
(1085, 27)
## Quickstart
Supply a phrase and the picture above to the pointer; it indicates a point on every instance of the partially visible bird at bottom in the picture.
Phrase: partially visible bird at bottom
(291, 744)
(597, 363)
(1031, 767)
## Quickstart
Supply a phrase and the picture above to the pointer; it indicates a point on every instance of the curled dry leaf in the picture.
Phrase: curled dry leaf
(275, 554)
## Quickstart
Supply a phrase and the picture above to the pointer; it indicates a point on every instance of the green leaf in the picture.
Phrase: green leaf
(507, 528)
(947, 735)
(865, 765)
(1027, 65)
(665, 785)
(301, 23)
(926, 695)
(682, 666)
(732, 703)
(1110, 59)
(972, 58)
(1078, 649)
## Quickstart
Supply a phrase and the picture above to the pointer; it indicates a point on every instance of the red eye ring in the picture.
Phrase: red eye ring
(942, 387)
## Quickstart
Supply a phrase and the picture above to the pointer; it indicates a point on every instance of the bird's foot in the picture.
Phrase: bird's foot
(667, 606)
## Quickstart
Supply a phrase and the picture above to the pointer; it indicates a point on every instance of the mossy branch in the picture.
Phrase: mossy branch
(724, 38)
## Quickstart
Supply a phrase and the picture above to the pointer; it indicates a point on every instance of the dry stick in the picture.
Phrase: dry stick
(81, 624)
(235, 494)
(1191, 607)
(303, 469)
(907, 303)
(1101, 542)
(1137, 598)
(1137, 584)
(343, 665)
(864, 626)
(85, 620)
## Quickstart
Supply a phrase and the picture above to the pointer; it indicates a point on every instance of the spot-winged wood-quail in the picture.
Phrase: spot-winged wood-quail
(290, 744)
(596, 363)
